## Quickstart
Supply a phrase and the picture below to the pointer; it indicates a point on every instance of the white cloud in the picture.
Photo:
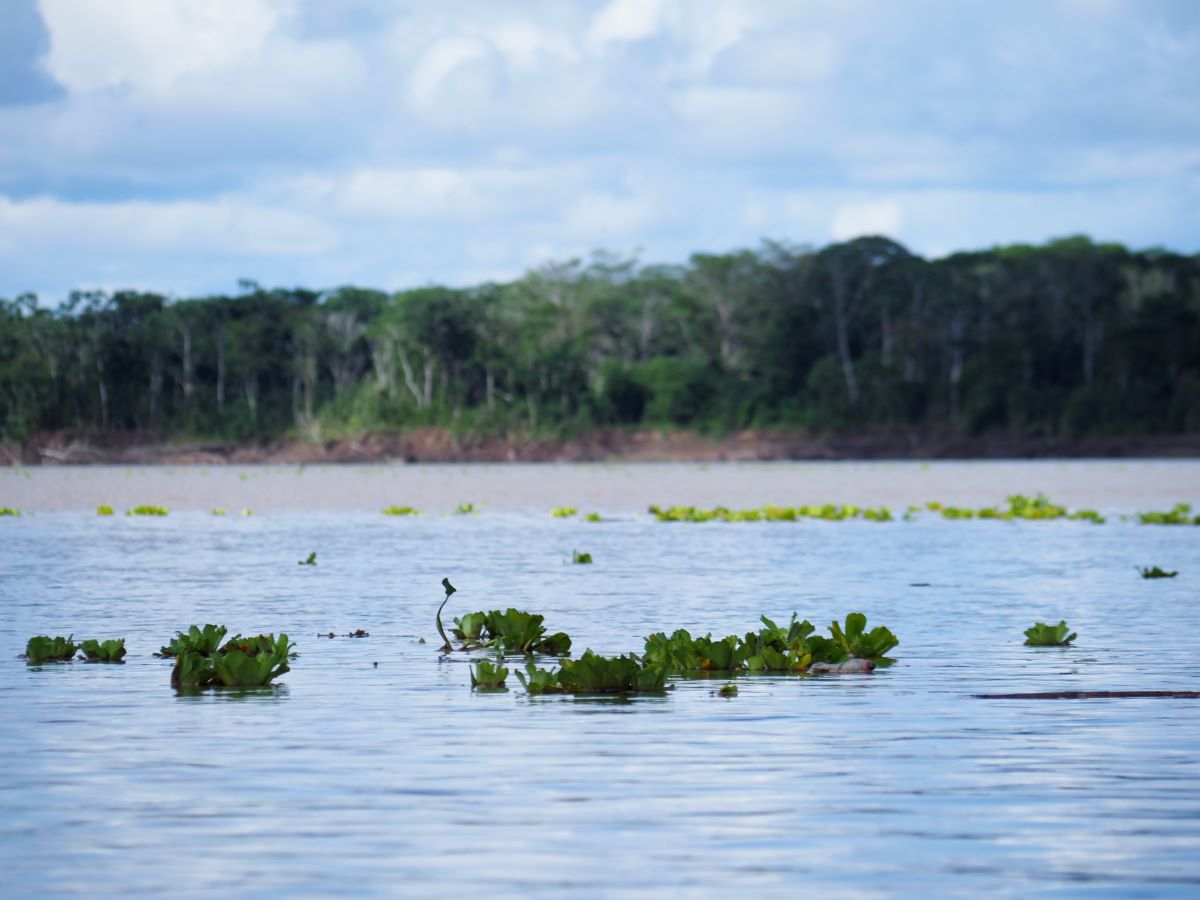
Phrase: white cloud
(439, 61)
(857, 219)
(626, 20)
(151, 45)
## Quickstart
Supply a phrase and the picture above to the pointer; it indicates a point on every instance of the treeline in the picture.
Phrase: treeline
(1070, 338)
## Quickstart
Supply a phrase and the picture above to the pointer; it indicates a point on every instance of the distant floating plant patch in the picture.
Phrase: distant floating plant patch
(104, 510)
(401, 511)
(1155, 572)
(220, 511)
(563, 512)
(9, 511)
(1018, 506)
(310, 560)
(1043, 635)
(581, 559)
(593, 517)
(42, 649)
(240, 662)
(829, 512)
(466, 509)
(146, 510)
(1179, 514)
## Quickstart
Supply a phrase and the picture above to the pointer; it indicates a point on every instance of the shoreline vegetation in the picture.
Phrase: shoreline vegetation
(441, 445)
(855, 350)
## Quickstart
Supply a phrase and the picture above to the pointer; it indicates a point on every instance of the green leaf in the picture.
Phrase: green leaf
(1043, 635)
(42, 649)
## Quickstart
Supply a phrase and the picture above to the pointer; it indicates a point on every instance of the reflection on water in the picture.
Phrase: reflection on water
(372, 767)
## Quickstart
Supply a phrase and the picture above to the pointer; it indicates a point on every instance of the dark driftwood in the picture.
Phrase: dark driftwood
(1090, 695)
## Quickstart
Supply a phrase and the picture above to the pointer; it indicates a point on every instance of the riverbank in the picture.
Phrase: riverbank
(439, 445)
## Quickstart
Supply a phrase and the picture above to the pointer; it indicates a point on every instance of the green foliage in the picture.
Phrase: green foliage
(1067, 338)
(219, 511)
(311, 560)
(563, 512)
(581, 559)
(42, 649)
(1179, 514)
(104, 651)
(593, 517)
(510, 632)
(1155, 572)
(1018, 506)
(145, 510)
(401, 511)
(773, 648)
(466, 509)
(1043, 635)
(241, 662)
(594, 674)
(203, 641)
(104, 510)
(486, 674)
(728, 690)
(829, 512)
(856, 641)
(9, 511)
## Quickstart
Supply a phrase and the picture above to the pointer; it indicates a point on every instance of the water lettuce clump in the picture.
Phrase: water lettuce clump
(486, 674)
(240, 662)
(510, 632)
(42, 648)
(563, 512)
(1018, 506)
(104, 651)
(793, 647)
(9, 511)
(401, 511)
(830, 512)
(310, 560)
(466, 509)
(594, 674)
(1043, 635)
(1155, 572)
(204, 641)
(1179, 514)
(593, 517)
(104, 510)
(581, 559)
(146, 510)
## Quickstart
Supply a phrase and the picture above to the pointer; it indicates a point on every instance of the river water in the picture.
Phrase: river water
(373, 768)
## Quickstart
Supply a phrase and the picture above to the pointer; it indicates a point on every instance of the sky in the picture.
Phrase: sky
(180, 146)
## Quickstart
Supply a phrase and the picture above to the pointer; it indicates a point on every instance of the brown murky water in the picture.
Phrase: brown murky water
(605, 487)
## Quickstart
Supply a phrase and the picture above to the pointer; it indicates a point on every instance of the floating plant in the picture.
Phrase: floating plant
(220, 511)
(9, 511)
(241, 662)
(104, 510)
(594, 674)
(593, 517)
(1155, 572)
(563, 512)
(486, 674)
(510, 632)
(204, 641)
(1179, 514)
(310, 561)
(1043, 635)
(466, 509)
(103, 651)
(41, 649)
(146, 510)
(581, 559)
(728, 690)
(401, 511)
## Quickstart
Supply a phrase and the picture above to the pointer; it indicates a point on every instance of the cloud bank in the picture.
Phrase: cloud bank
(179, 146)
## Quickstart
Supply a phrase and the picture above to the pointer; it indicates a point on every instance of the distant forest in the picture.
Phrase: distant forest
(1070, 338)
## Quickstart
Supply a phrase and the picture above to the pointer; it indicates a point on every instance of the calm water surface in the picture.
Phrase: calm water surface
(397, 778)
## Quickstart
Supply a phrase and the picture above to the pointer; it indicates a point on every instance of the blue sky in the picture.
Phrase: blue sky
(179, 146)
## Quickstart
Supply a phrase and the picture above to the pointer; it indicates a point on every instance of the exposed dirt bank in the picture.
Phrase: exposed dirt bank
(440, 445)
